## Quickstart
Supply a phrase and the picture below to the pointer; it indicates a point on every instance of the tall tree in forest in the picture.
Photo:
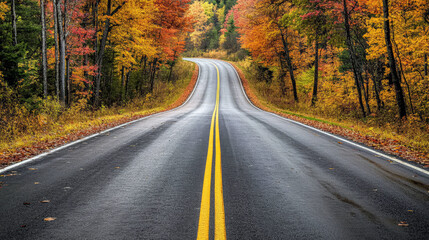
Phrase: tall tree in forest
(173, 24)
(313, 25)
(57, 49)
(14, 31)
(200, 22)
(277, 11)
(60, 7)
(264, 30)
(355, 65)
(107, 16)
(396, 79)
(44, 58)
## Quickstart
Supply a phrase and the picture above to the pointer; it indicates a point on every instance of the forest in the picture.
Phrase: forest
(358, 64)
(361, 64)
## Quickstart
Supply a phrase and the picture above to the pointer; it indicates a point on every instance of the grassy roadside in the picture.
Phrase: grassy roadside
(378, 138)
(76, 122)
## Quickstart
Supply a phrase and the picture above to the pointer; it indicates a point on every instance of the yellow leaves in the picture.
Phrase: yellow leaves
(131, 35)
(208, 8)
(200, 17)
(221, 14)
(49, 219)
(4, 8)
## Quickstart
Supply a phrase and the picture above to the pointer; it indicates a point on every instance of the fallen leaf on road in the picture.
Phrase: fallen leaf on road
(117, 167)
(36, 183)
(331, 168)
(48, 219)
(410, 210)
(45, 201)
(26, 203)
(32, 169)
(340, 143)
(403, 224)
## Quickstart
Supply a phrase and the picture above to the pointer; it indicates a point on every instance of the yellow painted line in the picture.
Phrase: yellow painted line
(203, 223)
(204, 220)
(220, 232)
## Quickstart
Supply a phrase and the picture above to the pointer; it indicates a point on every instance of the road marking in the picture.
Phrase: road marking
(204, 220)
(203, 224)
(220, 232)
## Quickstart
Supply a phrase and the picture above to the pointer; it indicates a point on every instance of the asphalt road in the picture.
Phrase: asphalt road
(269, 178)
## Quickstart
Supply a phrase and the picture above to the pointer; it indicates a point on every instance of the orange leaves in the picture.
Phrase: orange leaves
(151, 29)
(174, 24)
(4, 8)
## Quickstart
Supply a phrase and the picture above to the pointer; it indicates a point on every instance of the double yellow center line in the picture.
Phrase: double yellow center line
(204, 221)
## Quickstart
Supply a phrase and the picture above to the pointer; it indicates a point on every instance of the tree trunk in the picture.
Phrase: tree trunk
(57, 50)
(356, 70)
(402, 72)
(392, 64)
(152, 75)
(171, 71)
(127, 78)
(95, 42)
(282, 75)
(290, 65)
(44, 58)
(366, 95)
(316, 72)
(68, 81)
(102, 46)
(62, 59)
(140, 85)
(85, 73)
(122, 83)
(377, 94)
(372, 69)
(14, 33)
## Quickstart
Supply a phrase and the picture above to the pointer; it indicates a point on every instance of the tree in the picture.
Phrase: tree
(392, 63)
(264, 30)
(44, 58)
(356, 70)
(314, 24)
(111, 10)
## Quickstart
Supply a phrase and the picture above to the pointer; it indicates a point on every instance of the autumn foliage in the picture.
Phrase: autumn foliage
(333, 59)
(102, 55)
